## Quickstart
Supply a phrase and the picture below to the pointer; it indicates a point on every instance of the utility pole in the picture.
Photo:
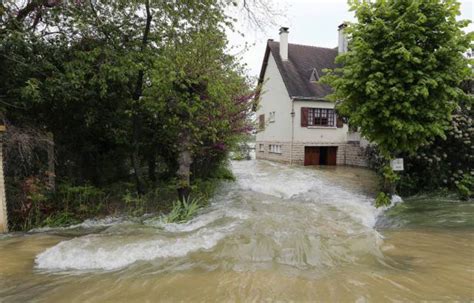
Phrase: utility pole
(3, 199)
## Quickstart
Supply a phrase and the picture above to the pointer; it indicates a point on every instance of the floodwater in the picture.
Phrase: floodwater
(276, 234)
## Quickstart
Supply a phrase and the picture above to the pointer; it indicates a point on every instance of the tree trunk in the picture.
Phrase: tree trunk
(184, 171)
(152, 168)
(51, 164)
(136, 125)
(135, 165)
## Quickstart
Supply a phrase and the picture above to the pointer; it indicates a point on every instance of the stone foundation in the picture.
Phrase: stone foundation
(347, 154)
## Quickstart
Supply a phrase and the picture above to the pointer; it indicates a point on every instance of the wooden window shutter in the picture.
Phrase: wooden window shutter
(339, 122)
(261, 122)
(304, 116)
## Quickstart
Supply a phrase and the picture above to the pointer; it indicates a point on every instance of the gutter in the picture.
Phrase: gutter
(299, 98)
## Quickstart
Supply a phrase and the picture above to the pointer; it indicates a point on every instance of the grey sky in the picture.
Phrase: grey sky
(311, 22)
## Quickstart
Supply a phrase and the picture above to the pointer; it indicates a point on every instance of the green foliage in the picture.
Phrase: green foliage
(465, 187)
(60, 219)
(389, 174)
(382, 200)
(183, 210)
(118, 91)
(402, 72)
(81, 200)
(136, 205)
(443, 162)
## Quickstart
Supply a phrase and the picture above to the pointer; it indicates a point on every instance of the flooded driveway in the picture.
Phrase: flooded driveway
(277, 233)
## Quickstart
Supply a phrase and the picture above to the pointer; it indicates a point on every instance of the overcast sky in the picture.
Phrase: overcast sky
(311, 22)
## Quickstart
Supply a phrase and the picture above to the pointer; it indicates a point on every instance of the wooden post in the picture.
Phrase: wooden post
(3, 200)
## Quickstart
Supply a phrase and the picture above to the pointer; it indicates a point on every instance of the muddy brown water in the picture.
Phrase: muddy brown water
(287, 234)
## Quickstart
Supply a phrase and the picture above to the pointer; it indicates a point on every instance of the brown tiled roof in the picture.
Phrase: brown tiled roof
(303, 60)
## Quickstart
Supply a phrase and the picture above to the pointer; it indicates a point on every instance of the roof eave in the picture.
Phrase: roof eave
(302, 98)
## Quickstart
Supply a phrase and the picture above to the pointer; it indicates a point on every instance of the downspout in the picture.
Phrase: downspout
(292, 129)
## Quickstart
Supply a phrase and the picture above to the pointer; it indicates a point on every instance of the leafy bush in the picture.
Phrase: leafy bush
(382, 199)
(61, 219)
(83, 200)
(465, 187)
(136, 204)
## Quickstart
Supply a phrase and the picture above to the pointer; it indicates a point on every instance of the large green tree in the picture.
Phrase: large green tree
(399, 81)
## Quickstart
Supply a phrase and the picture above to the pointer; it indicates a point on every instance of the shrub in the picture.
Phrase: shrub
(465, 187)
(382, 199)
(183, 211)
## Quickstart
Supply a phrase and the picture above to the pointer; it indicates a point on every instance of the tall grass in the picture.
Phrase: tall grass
(183, 210)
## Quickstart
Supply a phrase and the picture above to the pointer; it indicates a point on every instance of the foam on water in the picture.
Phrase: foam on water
(273, 213)
(287, 182)
(200, 221)
(109, 253)
(87, 224)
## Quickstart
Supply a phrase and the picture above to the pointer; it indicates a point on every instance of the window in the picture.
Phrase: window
(272, 117)
(318, 117)
(261, 122)
(275, 149)
(261, 147)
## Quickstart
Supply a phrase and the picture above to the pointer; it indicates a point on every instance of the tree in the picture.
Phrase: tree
(201, 92)
(399, 81)
(446, 162)
(82, 73)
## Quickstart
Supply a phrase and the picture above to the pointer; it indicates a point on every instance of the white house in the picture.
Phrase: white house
(297, 124)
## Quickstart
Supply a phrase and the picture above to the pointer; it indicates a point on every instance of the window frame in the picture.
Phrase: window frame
(321, 117)
(271, 116)
(274, 149)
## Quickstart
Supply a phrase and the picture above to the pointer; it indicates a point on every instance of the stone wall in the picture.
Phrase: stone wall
(347, 154)
(3, 202)
(283, 157)
(354, 155)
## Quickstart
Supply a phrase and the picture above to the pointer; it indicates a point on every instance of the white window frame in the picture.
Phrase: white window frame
(271, 116)
(274, 148)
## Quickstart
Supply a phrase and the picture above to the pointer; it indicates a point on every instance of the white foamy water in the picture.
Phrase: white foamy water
(273, 213)
(113, 252)
(87, 224)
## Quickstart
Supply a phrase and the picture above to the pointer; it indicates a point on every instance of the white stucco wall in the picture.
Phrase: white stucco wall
(275, 98)
(317, 134)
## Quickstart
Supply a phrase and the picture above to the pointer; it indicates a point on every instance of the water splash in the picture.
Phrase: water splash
(273, 214)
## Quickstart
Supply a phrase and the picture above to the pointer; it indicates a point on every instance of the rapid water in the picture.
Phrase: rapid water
(278, 233)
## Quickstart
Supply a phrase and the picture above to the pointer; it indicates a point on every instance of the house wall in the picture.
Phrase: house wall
(347, 154)
(332, 135)
(275, 98)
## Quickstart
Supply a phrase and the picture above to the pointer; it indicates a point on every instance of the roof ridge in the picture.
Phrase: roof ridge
(305, 45)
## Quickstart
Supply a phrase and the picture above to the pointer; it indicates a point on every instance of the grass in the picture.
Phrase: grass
(184, 210)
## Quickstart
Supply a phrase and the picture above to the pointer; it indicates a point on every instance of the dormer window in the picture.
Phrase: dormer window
(314, 76)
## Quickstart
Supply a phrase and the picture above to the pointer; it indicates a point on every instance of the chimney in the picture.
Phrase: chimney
(284, 43)
(342, 45)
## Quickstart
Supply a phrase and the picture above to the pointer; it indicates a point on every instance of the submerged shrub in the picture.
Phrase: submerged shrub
(183, 210)
(465, 187)
(382, 199)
